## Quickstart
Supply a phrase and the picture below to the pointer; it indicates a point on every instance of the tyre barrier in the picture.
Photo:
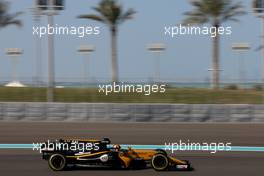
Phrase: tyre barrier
(121, 112)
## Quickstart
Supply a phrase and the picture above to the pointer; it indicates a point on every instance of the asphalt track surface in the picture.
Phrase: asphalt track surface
(24, 162)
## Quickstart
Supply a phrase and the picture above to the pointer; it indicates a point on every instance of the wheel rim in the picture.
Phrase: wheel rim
(160, 162)
(57, 162)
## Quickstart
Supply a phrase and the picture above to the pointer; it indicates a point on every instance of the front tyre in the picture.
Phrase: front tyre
(160, 162)
(57, 162)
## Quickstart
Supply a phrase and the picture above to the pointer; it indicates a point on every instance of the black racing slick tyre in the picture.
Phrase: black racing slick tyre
(161, 151)
(160, 162)
(57, 162)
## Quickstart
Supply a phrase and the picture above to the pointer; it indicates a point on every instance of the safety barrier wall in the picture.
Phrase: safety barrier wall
(130, 112)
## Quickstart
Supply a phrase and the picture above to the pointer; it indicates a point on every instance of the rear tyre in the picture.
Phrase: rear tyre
(160, 162)
(57, 162)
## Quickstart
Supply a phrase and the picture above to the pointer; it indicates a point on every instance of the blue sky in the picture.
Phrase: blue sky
(186, 58)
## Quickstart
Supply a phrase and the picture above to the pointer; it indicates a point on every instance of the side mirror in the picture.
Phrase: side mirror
(106, 141)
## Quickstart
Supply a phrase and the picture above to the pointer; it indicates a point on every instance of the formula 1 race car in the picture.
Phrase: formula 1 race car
(99, 153)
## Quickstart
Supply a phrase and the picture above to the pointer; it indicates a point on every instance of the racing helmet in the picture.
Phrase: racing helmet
(116, 146)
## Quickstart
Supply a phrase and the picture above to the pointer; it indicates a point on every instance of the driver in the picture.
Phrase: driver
(116, 147)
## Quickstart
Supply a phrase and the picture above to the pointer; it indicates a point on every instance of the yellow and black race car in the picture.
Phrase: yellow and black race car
(63, 154)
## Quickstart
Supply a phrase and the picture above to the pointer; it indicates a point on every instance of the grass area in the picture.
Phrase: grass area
(172, 95)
